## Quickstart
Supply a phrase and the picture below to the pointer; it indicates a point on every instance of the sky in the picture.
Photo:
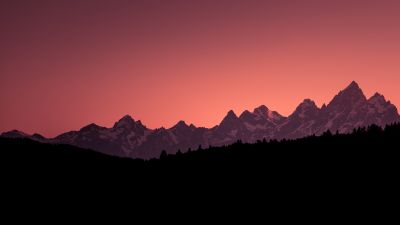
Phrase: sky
(67, 63)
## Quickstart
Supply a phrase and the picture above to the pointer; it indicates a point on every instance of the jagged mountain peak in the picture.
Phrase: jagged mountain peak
(246, 114)
(139, 123)
(261, 110)
(348, 97)
(307, 103)
(230, 122)
(180, 124)
(355, 90)
(353, 85)
(126, 120)
(377, 97)
(230, 115)
(352, 88)
(379, 103)
(307, 108)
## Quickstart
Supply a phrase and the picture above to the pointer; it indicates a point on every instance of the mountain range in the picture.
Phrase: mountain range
(348, 110)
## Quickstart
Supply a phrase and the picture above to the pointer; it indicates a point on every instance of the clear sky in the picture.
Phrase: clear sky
(67, 63)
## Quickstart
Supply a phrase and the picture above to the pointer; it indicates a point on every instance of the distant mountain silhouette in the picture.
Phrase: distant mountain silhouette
(349, 109)
(369, 147)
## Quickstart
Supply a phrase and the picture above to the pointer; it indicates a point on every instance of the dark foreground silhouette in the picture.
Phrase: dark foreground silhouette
(370, 149)
(354, 171)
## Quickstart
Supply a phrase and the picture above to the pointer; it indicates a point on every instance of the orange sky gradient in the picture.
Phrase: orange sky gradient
(65, 64)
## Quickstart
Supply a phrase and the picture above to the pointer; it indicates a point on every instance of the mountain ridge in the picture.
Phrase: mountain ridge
(349, 109)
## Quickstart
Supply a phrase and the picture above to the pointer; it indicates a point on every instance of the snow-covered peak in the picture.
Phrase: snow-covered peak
(262, 112)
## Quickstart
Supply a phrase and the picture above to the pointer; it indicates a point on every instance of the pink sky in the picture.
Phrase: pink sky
(65, 64)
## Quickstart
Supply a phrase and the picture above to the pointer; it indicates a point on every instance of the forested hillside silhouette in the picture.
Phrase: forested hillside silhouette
(372, 147)
(361, 142)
